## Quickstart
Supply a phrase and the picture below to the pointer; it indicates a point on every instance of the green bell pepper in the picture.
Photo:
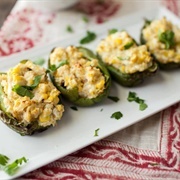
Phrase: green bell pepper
(72, 94)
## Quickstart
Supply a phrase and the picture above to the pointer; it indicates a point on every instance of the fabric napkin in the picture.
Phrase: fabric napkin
(149, 149)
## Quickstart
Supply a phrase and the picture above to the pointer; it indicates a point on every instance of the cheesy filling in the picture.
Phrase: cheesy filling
(128, 60)
(151, 36)
(43, 107)
(78, 72)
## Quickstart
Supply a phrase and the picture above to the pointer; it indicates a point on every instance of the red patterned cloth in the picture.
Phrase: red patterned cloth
(146, 150)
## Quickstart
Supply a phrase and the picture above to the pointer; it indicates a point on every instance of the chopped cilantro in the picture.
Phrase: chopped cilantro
(133, 97)
(128, 45)
(96, 132)
(22, 91)
(85, 19)
(3, 160)
(74, 108)
(26, 90)
(39, 61)
(112, 31)
(101, 109)
(54, 67)
(117, 115)
(167, 38)
(36, 82)
(90, 36)
(143, 106)
(13, 167)
(113, 98)
(69, 29)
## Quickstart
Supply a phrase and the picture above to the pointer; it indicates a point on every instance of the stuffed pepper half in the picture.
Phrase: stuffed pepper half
(79, 75)
(163, 41)
(128, 63)
(29, 102)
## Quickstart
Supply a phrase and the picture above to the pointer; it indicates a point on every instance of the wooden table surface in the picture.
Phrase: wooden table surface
(5, 8)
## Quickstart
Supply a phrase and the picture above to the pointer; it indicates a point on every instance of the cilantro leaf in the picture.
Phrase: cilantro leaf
(22, 91)
(54, 67)
(96, 132)
(14, 166)
(143, 106)
(113, 98)
(36, 82)
(39, 61)
(117, 115)
(133, 97)
(128, 45)
(112, 31)
(3, 160)
(26, 90)
(90, 36)
(69, 29)
(167, 38)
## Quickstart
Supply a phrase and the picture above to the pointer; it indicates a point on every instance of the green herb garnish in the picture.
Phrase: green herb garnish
(26, 90)
(96, 132)
(36, 82)
(39, 61)
(22, 91)
(128, 45)
(13, 167)
(167, 38)
(74, 108)
(113, 98)
(117, 115)
(69, 29)
(101, 110)
(85, 19)
(133, 97)
(112, 31)
(143, 106)
(54, 67)
(90, 36)
(3, 160)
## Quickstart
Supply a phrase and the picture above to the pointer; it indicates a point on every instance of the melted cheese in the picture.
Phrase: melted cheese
(79, 72)
(113, 52)
(43, 107)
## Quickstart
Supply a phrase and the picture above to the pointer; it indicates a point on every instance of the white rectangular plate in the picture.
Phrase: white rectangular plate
(76, 129)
